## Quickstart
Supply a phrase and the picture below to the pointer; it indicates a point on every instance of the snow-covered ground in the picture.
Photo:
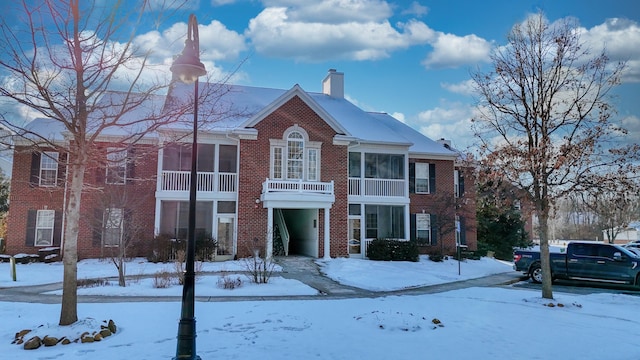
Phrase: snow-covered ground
(475, 323)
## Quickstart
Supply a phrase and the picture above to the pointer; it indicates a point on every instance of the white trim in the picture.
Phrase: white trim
(296, 90)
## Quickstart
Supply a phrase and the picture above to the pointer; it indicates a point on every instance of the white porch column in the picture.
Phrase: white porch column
(269, 250)
(327, 237)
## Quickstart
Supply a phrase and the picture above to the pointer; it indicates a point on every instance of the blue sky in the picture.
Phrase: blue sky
(411, 59)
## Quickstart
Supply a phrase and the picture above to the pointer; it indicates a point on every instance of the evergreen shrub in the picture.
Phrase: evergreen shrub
(393, 250)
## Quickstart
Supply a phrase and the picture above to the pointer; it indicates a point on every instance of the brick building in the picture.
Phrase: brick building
(290, 171)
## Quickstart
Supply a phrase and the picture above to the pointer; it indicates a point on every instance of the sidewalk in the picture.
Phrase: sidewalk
(300, 268)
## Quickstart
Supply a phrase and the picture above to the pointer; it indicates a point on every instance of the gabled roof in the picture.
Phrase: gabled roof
(227, 108)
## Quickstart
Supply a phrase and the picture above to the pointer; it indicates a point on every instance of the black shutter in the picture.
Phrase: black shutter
(412, 178)
(97, 227)
(460, 184)
(30, 237)
(57, 228)
(412, 227)
(35, 169)
(434, 229)
(463, 231)
(131, 165)
(432, 178)
(62, 168)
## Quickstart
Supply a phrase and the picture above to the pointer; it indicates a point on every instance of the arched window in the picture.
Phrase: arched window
(295, 155)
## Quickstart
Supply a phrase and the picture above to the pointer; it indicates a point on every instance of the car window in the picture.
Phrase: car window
(585, 250)
(606, 251)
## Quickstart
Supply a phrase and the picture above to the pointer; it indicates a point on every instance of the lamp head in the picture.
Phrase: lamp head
(187, 66)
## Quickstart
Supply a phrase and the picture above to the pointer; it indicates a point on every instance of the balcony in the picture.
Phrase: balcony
(207, 181)
(377, 187)
(297, 193)
(297, 186)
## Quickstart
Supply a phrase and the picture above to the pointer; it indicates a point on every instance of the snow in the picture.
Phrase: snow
(474, 323)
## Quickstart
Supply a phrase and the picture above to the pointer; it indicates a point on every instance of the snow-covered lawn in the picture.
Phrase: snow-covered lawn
(474, 323)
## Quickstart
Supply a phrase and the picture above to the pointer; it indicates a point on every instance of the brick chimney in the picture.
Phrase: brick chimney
(333, 84)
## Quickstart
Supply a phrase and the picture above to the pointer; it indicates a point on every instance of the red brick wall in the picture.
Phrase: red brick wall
(24, 197)
(254, 170)
(139, 198)
(430, 203)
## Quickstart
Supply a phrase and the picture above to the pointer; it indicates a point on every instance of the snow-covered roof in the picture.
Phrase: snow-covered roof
(227, 108)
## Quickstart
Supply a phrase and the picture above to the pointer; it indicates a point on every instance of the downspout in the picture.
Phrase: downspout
(237, 186)
(64, 207)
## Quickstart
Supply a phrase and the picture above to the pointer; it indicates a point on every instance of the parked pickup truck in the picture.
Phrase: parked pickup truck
(588, 261)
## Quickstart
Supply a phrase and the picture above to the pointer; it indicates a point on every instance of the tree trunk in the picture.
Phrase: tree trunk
(69, 310)
(545, 261)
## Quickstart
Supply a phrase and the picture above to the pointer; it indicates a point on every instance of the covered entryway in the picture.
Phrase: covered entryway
(295, 232)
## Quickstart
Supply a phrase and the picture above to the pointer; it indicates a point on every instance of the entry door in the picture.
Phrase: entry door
(355, 238)
(226, 228)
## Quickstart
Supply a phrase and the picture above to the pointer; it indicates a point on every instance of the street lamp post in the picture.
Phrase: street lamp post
(187, 68)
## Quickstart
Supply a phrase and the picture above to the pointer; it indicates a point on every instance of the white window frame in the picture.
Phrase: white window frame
(49, 165)
(295, 161)
(112, 221)
(312, 164)
(281, 159)
(456, 183)
(422, 173)
(116, 162)
(423, 223)
(45, 221)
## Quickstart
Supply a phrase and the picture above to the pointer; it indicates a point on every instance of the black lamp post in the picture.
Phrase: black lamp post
(188, 68)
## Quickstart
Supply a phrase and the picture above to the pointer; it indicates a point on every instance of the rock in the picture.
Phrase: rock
(49, 341)
(33, 343)
(97, 337)
(112, 326)
(105, 333)
(22, 333)
(65, 341)
(86, 338)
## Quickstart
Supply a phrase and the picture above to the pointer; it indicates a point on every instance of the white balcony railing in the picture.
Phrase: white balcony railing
(271, 185)
(377, 187)
(207, 181)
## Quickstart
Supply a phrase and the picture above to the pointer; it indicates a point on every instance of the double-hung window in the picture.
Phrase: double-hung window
(113, 227)
(49, 168)
(294, 157)
(423, 229)
(422, 178)
(116, 166)
(45, 220)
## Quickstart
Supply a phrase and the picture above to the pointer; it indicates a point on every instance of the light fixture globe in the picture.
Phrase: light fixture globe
(187, 67)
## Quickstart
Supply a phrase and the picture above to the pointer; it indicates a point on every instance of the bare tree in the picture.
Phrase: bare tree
(63, 60)
(120, 221)
(544, 118)
(615, 205)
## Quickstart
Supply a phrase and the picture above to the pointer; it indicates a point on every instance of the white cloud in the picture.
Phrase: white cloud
(451, 121)
(621, 40)
(301, 33)
(416, 9)
(466, 87)
(450, 51)
(333, 11)
(632, 125)
(216, 42)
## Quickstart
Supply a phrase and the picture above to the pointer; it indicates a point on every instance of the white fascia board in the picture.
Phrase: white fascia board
(433, 156)
(296, 90)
